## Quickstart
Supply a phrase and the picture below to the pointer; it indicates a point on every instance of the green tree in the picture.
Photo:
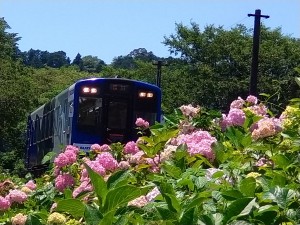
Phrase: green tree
(35, 58)
(219, 61)
(78, 61)
(8, 42)
(40, 59)
(130, 61)
(92, 64)
(123, 62)
(142, 54)
(58, 59)
(15, 99)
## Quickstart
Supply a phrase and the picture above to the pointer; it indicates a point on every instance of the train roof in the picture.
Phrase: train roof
(116, 79)
(92, 79)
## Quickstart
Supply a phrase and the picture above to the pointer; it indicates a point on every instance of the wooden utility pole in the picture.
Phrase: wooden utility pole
(255, 51)
(159, 64)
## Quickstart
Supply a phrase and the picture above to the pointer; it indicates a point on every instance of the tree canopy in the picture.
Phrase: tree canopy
(218, 61)
(129, 61)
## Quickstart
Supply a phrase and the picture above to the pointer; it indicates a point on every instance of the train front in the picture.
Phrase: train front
(105, 110)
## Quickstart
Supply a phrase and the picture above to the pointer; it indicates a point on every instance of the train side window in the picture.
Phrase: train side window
(47, 125)
(51, 118)
(71, 109)
(43, 129)
(33, 132)
(37, 129)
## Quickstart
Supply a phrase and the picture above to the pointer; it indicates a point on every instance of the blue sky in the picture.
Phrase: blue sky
(111, 28)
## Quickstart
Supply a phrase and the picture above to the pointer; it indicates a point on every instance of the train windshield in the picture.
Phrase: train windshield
(90, 114)
(117, 116)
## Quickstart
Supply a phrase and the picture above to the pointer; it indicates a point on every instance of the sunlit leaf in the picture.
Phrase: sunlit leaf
(92, 215)
(122, 195)
(33, 220)
(118, 178)
(47, 158)
(281, 161)
(247, 186)
(239, 207)
(187, 217)
(72, 206)
(282, 196)
(171, 170)
(98, 183)
(232, 194)
(107, 218)
(166, 214)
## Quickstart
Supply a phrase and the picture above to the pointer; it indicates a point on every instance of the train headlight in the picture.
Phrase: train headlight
(89, 90)
(142, 94)
(86, 90)
(94, 90)
(149, 95)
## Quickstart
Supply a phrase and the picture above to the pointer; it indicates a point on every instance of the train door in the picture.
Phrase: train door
(118, 121)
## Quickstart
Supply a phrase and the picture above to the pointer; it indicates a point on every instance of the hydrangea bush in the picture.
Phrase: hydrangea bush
(199, 167)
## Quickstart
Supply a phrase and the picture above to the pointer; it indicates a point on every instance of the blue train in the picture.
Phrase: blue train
(97, 110)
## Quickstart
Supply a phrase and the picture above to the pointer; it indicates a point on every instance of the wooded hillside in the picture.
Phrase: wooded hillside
(209, 67)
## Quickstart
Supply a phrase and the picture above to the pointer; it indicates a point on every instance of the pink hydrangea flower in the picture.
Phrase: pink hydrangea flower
(17, 196)
(72, 156)
(53, 207)
(124, 165)
(72, 148)
(198, 142)
(131, 148)
(95, 147)
(154, 163)
(63, 181)
(64, 159)
(139, 202)
(31, 185)
(251, 99)
(167, 153)
(235, 117)
(189, 110)
(136, 158)
(61, 160)
(19, 219)
(105, 148)
(100, 148)
(260, 110)
(56, 171)
(95, 166)
(68, 157)
(83, 187)
(266, 127)
(237, 104)
(152, 194)
(4, 204)
(186, 127)
(141, 123)
(263, 162)
(107, 161)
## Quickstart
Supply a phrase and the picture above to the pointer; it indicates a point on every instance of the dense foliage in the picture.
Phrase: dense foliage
(200, 167)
